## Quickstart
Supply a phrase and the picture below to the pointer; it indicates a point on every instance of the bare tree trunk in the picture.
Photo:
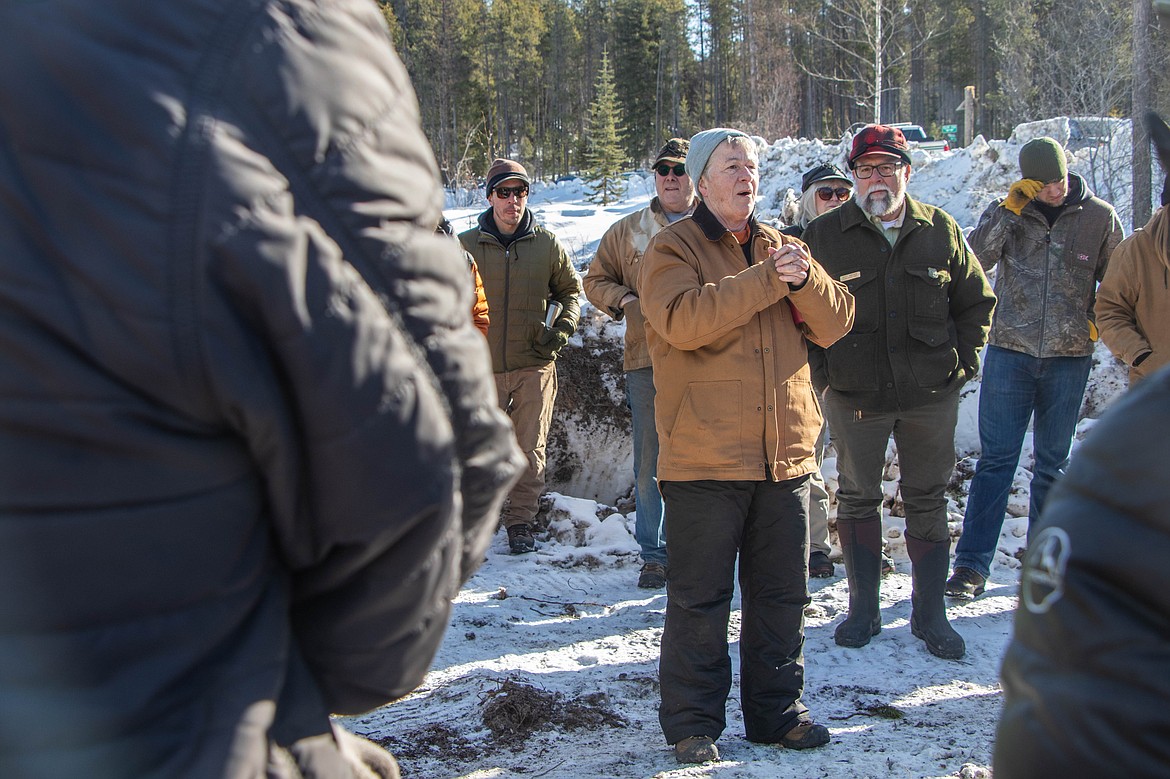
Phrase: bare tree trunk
(1141, 104)
(981, 121)
(877, 62)
(658, 95)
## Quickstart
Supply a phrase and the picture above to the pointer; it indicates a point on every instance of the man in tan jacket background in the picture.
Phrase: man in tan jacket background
(729, 303)
(1133, 301)
(612, 286)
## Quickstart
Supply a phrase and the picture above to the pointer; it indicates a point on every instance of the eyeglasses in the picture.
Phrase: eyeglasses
(505, 193)
(665, 170)
(886, 169)
(828, 193)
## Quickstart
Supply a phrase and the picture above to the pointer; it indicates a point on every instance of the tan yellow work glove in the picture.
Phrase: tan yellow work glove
(1021, 194)
(1093, 334)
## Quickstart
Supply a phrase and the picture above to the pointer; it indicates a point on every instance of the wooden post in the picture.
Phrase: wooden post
(968, 115)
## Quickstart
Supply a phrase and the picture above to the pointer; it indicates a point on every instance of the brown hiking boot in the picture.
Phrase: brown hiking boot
(652, 577)
(806, 735)
(696, 749)
(966, 583)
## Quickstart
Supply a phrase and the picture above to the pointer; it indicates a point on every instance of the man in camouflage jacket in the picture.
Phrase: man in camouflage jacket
(1051, 240)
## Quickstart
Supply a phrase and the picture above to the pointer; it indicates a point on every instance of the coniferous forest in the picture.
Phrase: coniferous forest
(519, 77)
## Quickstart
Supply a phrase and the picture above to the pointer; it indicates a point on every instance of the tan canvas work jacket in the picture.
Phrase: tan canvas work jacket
(735, 399)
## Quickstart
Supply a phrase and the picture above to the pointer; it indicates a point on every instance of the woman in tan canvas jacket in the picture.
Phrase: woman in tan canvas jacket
(728, 304)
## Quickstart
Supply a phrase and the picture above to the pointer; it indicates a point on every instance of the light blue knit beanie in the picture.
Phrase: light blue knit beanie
(703, 145)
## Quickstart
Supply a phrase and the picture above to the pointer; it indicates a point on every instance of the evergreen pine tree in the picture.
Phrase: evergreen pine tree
(605, 155)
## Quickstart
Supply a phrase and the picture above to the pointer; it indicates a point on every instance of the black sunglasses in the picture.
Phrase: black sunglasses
(827, 193)
(505, 193)
(665, 170)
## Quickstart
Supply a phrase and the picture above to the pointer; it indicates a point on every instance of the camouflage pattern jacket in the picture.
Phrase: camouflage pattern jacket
(1047, 277)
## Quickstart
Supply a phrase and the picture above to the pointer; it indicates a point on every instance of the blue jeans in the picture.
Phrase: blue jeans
(1016, 386)
(649, 531)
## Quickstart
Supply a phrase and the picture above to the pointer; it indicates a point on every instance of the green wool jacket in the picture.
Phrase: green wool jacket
(519, 282)
(923, 308)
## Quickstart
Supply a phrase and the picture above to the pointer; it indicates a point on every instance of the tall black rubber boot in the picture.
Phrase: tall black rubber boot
(928, 619)
(861, 547)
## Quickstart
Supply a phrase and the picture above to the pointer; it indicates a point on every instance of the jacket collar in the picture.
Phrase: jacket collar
(487, 224)
(853, 216)
(713, 229)
(660, 212)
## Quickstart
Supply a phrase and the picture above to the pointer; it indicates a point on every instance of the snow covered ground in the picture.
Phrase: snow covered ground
(549, 668)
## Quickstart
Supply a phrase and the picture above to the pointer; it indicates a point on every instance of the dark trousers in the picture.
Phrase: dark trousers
(709, 523)
(925, 437)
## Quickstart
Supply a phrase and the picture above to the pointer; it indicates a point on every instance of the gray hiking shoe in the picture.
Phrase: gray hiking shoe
(520, 539)
(820, 566)
(696, 749)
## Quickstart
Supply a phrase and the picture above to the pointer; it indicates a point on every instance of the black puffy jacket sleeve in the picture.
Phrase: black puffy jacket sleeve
(376, 423)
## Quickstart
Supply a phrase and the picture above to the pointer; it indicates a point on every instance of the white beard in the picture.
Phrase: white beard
(880, 203)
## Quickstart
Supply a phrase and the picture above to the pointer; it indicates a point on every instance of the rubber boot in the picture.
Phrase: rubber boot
(861, 548)
(928, 618)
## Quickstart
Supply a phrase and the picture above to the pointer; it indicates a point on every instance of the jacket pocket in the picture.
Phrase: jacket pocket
(635, 325)
(851, 363)
(860, 282)
(928, 292)
(802, 421)
(933, 357)
(707, 427)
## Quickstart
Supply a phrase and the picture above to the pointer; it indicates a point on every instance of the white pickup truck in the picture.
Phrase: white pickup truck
(916, 136)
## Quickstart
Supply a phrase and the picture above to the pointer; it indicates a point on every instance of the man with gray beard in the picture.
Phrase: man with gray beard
(923, 310)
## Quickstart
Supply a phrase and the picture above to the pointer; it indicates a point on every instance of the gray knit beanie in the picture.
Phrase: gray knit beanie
(703, 145)
(1042, 159)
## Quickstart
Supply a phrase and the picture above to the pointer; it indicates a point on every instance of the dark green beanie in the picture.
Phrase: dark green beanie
(1043, 159)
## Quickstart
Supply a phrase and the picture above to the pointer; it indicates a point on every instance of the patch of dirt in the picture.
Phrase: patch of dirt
(583, 397)
(589, 562)
(645, 686)
(514, 711)
(438, 742)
